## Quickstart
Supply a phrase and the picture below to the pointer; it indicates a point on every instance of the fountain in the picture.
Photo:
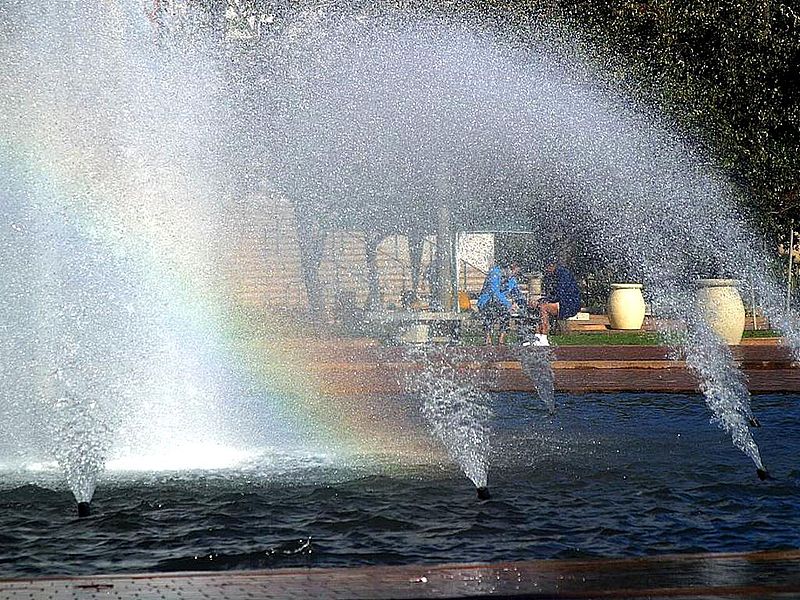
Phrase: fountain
(127, 149)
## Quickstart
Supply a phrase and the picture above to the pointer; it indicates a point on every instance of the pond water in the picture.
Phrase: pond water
(608, 475)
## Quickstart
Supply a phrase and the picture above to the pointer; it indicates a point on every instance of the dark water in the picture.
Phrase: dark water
(610, 475)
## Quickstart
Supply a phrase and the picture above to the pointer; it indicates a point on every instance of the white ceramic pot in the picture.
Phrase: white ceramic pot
(721, 304)
(625, 306)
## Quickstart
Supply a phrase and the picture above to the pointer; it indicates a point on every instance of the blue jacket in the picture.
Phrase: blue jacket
(561, 287)
(503, 289)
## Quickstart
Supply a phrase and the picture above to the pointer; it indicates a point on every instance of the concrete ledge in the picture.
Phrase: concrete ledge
(577, 369)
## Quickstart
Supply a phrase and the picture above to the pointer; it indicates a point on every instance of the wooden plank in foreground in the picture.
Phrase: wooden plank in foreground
(763, 575)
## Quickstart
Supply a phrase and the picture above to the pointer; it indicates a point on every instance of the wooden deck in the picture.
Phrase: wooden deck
(577, 369)
(763, 575)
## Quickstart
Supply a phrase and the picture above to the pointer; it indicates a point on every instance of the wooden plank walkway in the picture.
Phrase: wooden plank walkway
(763, 575)
(577, 369)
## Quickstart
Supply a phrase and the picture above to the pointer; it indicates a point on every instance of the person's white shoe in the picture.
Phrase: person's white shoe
(540, 340)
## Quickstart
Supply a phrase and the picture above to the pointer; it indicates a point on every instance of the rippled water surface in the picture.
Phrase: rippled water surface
(609, 475)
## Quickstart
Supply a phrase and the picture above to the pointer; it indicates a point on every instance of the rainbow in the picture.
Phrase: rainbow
(116, 153)
(169, 247)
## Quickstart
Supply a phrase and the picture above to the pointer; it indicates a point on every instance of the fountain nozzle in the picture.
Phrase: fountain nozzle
(84, 509)
(483, 493)
(763, 474)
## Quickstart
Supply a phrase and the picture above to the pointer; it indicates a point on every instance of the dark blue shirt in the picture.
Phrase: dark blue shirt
(560, 286)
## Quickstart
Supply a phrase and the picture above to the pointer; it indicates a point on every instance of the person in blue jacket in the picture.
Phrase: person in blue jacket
(561, 299)
(500, 290)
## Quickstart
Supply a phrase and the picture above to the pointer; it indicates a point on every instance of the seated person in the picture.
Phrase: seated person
(500, 289)
(560, 299)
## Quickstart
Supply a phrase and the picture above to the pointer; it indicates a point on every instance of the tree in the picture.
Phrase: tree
(727, 72)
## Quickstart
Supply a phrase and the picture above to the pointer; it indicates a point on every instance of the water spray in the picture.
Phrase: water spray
(457, 413)
(537, 364)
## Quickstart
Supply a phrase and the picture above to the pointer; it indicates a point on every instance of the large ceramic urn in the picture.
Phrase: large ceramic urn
(625, 306)
(721, 304)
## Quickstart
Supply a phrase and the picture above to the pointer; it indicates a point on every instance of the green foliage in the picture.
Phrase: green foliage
(727, 71)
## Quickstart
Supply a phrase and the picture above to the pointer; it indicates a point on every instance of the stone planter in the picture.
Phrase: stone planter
(721, 304)
(625, 306)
